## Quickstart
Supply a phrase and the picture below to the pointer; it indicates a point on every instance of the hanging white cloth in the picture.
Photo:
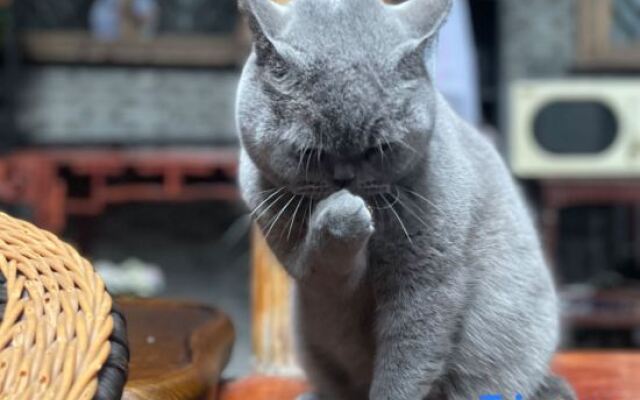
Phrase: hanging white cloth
(104, 19)
(456, 69)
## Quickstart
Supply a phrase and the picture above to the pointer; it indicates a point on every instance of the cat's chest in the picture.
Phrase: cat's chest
(343, 317)
(342, 328)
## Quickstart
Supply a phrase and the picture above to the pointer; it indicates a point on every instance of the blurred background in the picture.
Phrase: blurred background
(117, 132)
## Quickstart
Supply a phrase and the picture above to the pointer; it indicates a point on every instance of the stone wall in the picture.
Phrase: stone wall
(61, 104)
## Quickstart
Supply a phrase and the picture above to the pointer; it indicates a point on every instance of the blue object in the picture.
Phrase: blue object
(104, 20)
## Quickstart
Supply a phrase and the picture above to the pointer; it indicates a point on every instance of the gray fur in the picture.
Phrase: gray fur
(418, 271)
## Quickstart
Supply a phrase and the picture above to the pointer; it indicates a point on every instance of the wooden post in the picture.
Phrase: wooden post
(273, 342)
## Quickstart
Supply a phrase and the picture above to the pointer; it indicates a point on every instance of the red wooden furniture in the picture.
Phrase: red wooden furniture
(560, 193)
(624, 304)
(44, 179)
(594, 376)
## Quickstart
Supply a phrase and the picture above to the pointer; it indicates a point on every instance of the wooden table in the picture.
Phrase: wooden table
(594, 376)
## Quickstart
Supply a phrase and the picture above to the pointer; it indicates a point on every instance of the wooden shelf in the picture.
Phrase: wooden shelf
(596, 50)
(165, 50)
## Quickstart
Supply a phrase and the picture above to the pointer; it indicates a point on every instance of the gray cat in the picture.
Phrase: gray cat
(418, 272)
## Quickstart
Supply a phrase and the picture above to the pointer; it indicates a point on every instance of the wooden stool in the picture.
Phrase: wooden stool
(178, 350)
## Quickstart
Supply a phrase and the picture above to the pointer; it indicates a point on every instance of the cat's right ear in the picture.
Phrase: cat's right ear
(422, 20)
(266, 19)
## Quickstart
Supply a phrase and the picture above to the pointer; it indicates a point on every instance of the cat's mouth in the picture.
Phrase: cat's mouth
(312, 191)
(320, 191)
(373, 188)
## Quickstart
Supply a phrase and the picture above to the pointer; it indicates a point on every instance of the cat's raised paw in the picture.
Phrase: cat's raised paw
(344, 216)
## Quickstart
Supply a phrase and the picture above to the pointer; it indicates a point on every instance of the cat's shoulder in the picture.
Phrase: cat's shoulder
(472, 149)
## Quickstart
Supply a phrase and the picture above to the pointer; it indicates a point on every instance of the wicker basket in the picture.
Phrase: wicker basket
(60, 336)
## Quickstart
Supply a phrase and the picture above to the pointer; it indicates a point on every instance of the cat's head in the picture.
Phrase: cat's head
(336, 93)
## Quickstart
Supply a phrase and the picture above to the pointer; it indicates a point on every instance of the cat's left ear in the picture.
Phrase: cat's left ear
(266, 19)
(422, 19)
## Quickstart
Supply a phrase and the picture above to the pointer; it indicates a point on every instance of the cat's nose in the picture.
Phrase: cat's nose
(343, 175)
(342, 183)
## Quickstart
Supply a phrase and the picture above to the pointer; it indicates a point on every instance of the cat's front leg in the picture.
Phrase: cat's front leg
(332, 261)
(418, 309)
(338, 232)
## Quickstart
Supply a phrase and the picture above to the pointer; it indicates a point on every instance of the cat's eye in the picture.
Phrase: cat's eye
(372, 152)
(311, 153)
(380, 150)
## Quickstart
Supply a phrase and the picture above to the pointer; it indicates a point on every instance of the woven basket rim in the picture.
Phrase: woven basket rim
(60, 334)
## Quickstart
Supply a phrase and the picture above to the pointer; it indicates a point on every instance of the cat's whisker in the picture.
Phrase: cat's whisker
(266, 209)
(293, 218)
(427, 201)
(301, 158)
(402, 225)
(386, 140)
(307, 215)
(306, 171)
(277, 217)
(376, 77)
(375, 200)
(381, 150)
(390, 205)
(406, 146)
(310, 210)
(268, 191)
(255, 210)
(413, 212)
(319, 155)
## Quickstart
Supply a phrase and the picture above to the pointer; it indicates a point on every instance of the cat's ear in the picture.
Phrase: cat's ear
(267, 19)
(422, 19)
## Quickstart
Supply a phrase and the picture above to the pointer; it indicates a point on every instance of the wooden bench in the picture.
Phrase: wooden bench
(594, 376)
(179, 349)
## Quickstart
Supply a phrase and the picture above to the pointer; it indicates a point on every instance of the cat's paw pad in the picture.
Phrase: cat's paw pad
(344, 216)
